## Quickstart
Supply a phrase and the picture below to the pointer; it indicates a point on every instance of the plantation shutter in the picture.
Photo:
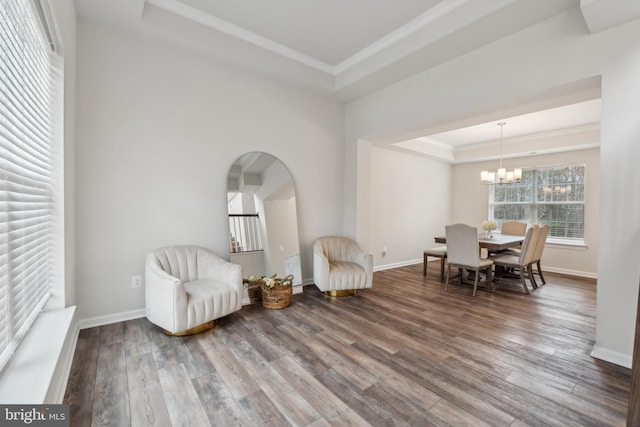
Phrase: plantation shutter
(25, 172)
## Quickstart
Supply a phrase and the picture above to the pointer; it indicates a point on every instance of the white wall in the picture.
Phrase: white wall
(157, 130)
(470, 205)
(409, 205)
(538, 62)
(619, 260)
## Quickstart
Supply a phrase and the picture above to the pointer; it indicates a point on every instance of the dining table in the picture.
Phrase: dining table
(497, 243)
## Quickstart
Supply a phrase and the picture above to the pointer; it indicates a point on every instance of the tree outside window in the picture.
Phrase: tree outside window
(551, 195)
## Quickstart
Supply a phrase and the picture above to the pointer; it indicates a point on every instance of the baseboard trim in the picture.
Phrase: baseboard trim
(397, 264)
(564, 271)
(111, 318)
(567, 272)
(612, 356)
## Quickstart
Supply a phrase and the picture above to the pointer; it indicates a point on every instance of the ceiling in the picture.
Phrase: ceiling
(347, 49)
(344, 49)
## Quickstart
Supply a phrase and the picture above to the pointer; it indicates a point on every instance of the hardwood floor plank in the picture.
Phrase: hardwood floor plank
(355, 374)
(146, 398)
(221, 407)
(183, 404)
(329, 406)
(79, 394)
(111, 399)
(262, 411)
(290, 404)
(232, 372)
(449, 414)
(375, 360)
(136, 337)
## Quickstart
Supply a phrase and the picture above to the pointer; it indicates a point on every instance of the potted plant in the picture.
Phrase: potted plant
(489, 226)
(277, 292)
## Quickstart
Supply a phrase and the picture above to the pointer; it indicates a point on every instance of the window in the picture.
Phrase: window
(26, 90)
(551, 195)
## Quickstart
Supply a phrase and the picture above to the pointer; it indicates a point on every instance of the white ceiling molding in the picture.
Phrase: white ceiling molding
(395, 47)
(196, 15)
(430, 148)
(601, 15)
(556, 141)
(417, 24)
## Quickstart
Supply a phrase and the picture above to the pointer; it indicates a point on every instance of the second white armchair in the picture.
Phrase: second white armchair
(340, 266)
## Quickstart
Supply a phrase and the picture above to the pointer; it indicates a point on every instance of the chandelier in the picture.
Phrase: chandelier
(502, 175)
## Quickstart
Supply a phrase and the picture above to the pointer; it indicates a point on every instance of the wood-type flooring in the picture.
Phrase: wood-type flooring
(404, 353)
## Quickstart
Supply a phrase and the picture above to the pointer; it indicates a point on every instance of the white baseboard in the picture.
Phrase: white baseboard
(612, 356)
(397, 264)
(586, 274)
(111, 318)
(565, 271)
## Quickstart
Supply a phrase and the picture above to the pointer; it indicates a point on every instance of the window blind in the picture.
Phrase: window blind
(25, 172)
(552, 195)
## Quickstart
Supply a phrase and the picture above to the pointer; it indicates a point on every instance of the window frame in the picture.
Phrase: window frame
(534, 204)
(40, 142)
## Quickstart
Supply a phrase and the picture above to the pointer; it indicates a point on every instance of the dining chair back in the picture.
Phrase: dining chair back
(463, 252)
(522, 260)
(540, 244)
(514, 228)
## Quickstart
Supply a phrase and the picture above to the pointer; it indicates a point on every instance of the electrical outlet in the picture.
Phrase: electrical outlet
(136, 281)
(384, 251)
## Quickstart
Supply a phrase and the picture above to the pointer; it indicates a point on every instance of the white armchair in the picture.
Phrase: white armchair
(340, 267)
(188, 287)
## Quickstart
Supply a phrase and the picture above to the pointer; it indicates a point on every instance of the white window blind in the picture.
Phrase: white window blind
(552, 195)
(25, 172)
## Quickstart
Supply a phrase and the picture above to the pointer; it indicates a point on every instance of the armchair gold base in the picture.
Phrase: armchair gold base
(195, 330)
(342, 293)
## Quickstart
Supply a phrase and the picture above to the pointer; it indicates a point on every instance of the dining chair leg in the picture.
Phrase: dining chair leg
(460, 275)
(424, 265)
(446, 281)
(524, 282)
(475, 282)
(490, 284)
(532, 279)
(544, 282)
(441, 269)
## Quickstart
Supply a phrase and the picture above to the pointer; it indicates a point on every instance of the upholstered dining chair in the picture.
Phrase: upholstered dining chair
(188, 287)
(463, 253)
(537, 255)
(438, 252)
(514, 228)
(521, 260)
(340, 266)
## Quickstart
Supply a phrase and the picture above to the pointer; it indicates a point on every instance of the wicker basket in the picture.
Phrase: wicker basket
(277, 297)
(254, 291)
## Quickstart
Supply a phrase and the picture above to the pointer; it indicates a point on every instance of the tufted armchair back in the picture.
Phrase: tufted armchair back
(188, 286)
(338, 249)
(340, 264)
(187, 263)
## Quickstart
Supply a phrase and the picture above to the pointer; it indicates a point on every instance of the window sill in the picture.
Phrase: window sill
(40, 368)
(577, 245)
